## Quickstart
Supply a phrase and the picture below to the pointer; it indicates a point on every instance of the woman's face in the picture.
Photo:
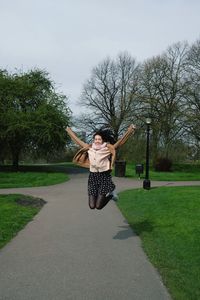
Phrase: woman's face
(98, 140)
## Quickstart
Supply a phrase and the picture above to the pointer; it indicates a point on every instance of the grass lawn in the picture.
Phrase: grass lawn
(15, 212)
(30, 179)
(184, 172)
(167, 219)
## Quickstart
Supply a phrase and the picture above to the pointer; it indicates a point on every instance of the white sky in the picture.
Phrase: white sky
(69, 38)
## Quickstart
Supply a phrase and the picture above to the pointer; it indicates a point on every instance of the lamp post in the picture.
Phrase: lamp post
(146, 182)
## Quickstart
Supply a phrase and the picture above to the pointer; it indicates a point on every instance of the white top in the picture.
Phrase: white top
(99, 159)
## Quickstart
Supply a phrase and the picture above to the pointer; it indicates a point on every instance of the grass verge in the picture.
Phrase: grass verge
(167, 219)
(16, 211)
(30, 179)
(184, 172)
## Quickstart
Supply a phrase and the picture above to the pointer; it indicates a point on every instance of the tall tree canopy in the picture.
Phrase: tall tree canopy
(32, 115)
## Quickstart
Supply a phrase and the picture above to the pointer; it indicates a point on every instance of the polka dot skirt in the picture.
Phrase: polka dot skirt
(100, 183)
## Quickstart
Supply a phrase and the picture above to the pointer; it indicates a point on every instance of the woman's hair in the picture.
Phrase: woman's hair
(106, 135)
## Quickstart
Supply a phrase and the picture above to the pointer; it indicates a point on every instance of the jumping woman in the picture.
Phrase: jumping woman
(99, 157)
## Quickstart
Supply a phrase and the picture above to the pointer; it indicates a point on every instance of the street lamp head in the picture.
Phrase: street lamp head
(148, 121)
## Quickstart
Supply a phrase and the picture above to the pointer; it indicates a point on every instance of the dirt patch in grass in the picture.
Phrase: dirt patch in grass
(31, 201)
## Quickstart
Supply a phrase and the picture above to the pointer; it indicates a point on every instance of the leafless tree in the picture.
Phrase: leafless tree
(109, 94)
(193, 94)
(161, 96)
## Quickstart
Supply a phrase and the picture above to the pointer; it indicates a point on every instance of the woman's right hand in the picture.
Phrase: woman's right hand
(132, 126)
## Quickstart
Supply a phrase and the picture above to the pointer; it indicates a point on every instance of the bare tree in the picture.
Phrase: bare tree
(109, 94)
(193, 95)
(161, 96)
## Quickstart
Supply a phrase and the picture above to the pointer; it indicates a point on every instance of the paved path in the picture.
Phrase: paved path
(71, 252)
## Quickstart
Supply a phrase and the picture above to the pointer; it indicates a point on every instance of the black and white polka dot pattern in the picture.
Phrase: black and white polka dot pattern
(100, 183)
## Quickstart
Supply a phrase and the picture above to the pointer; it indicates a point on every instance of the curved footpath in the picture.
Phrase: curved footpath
(71, 252)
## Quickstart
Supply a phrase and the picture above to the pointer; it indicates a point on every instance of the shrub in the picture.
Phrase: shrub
(163, 164)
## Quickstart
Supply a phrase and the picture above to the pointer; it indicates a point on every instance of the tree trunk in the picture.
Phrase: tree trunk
(15, 150)
(15, 161)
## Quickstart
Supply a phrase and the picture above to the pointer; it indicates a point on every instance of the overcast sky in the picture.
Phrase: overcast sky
(69, 38)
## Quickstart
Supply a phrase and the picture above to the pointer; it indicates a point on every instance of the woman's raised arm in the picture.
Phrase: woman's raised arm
(75, 138)
(125, 137)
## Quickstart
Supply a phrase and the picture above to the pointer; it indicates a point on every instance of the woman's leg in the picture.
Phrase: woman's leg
(92, 201)
(102, 200)
(92, 189)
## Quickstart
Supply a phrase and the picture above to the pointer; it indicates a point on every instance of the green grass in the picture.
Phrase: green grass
(167, 219)
(64, 164)
(14, 216)
(184, 172)
(30, 179)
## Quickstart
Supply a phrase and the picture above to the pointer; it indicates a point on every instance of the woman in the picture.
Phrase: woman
(99, 157)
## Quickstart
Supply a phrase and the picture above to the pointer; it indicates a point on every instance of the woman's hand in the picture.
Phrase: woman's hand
(132, 126)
